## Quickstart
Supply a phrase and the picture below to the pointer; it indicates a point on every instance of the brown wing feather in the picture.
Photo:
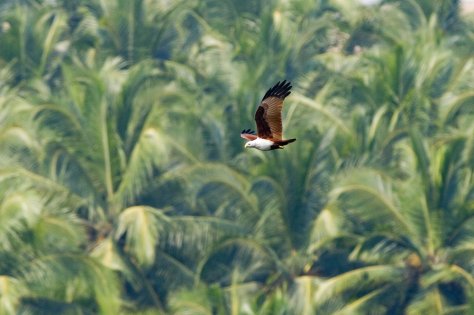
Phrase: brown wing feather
(263, 129)
(248, 136)
(272, 107)
(268, 115)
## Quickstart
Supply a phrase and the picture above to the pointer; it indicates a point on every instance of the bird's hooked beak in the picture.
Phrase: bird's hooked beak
(246, 145)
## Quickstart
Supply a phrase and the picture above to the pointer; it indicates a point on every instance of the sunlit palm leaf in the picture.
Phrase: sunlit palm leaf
(11, 291)
(140, 226)
(357, 280)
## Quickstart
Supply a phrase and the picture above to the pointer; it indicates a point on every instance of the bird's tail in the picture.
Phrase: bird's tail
(285, 142)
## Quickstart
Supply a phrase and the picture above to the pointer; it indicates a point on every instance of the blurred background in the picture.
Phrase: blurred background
(125, 187)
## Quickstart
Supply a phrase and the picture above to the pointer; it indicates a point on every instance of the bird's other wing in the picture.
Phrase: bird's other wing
(248, 134)
(268, 114)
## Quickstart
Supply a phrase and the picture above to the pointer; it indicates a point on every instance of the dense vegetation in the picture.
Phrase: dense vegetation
(125, 187)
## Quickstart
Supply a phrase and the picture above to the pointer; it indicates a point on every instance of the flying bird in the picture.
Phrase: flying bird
(268, 119)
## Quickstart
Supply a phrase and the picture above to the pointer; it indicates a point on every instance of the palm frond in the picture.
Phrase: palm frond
(327, 225)
(199, 302)
(73, 277)
(200, 175)
(140, 226)
(370, 197)
(11, 290)
(303, 293)
(149, 154)
(358, 280)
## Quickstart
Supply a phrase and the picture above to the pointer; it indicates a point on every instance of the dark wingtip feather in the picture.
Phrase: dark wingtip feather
(280, 90)
(248, 131)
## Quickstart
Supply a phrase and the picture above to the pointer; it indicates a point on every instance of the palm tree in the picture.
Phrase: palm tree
(94, 149)
(139, 30)
(34, 40)
(43, 268)
(409, 227)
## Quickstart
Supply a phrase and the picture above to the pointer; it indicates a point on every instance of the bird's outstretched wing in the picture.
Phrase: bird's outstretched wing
(268, 114)
(248, 134)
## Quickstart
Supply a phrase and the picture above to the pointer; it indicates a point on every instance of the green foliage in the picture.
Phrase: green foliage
(125, 188)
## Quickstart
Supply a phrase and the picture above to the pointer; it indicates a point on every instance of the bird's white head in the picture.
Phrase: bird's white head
(249, 144)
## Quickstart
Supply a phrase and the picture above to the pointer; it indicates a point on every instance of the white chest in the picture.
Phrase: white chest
(262, 144)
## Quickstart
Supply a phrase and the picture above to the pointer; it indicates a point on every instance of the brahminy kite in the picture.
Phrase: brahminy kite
(268, 119)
